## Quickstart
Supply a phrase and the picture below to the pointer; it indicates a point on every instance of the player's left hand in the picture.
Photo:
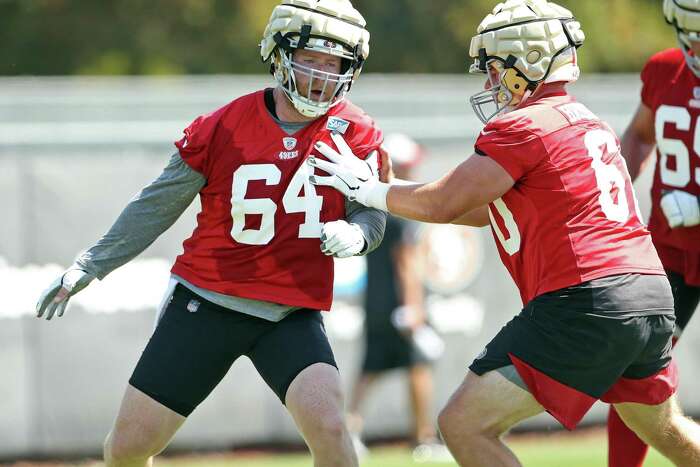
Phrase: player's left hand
(341, 239)
(680, 208)
(55, 298)
(353, 177)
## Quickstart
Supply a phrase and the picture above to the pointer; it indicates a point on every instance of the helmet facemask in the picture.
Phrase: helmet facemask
(299, 81)
(686, 40)
(506, 90)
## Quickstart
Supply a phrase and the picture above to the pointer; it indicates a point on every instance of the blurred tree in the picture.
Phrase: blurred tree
(56, 37)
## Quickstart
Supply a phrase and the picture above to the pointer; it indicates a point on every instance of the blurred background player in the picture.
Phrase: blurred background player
(259, 265)
(395, 314)
(548, 176)
(667, 120)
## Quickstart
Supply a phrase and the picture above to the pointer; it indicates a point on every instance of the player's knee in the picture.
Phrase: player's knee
(321, 421)
(460, 421)
(444, 422)
(332, 426)
(450, 423)
(121, 448)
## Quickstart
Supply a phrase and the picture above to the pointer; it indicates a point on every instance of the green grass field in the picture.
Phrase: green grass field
(579, 449)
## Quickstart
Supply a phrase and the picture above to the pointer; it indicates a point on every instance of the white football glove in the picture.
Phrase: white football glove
(680, 208)
(341, 239)
(55, 297)
(353, 177)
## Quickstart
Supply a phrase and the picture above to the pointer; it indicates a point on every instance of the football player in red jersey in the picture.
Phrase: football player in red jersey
(549, 178)
(667, 118)
(259, 264)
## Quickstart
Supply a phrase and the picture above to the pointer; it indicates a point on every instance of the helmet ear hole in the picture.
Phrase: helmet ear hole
(533, 57)
(514, 82)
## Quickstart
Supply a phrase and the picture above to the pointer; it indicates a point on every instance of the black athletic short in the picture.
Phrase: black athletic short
(191, 351)
(387, 349)
(574, 345)
(686, 298)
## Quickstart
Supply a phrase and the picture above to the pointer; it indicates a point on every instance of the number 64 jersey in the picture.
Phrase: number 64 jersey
(258, 232)
(572, 214)
(672, 92)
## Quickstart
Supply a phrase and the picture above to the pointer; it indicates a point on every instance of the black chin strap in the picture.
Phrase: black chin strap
(304, 36)
(285, 43)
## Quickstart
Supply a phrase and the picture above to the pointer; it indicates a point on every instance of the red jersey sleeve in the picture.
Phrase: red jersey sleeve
(512, 145)
(658, 72)
(363, 136)
(195, 146)
(366, 139)
(649, 83)
(370, 138)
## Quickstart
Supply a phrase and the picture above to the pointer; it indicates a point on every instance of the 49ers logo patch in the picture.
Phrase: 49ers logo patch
(289, 145)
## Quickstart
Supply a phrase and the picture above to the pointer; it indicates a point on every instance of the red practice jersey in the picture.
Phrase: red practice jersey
(572, 215)
(257, 235)
(672, 92)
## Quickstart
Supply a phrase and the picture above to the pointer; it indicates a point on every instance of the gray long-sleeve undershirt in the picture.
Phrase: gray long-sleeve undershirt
(156, 208)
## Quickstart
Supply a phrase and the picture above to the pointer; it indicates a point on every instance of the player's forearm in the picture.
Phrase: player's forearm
(478, 217)
(371, 221)
(421, 202)
(636, 152)
(472, 184)
(150, 213)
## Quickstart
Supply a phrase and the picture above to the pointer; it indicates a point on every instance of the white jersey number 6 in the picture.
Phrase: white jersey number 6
(310, 203)
(608, 176)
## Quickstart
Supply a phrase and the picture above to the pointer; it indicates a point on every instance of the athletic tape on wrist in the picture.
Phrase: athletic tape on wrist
(376, 198)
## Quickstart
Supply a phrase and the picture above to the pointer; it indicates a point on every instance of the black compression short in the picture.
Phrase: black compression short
(197, 341)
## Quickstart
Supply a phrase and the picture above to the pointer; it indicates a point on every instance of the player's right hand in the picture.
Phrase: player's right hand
(680, 208)
(355, 178)
(55, 298)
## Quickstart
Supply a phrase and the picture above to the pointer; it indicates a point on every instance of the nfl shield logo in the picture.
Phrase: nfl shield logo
(193, 306)
(289, 143)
